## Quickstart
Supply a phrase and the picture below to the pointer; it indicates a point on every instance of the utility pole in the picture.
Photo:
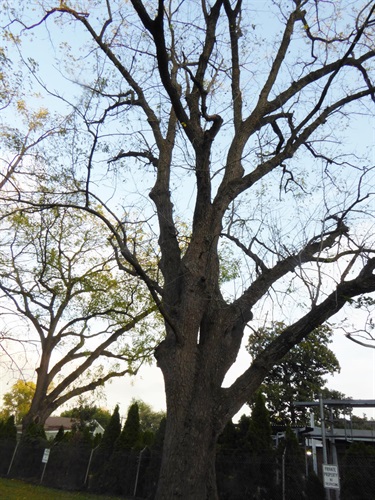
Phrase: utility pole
(324, 442)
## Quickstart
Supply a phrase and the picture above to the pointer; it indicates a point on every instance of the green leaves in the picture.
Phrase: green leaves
(17, 401)
(58, 272)
(300, 374)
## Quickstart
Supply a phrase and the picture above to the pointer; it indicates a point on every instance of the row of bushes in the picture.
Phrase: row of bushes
(126, 461)
(76, 466)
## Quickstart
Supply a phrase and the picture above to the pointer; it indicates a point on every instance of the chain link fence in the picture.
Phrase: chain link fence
(240, 475)
(357, 473)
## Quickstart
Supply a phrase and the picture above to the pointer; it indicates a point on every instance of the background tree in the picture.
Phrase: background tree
(58, 274)
(361, 422)
(111, 431)
(236, 118)
(88, 415)
(8, 439)
(149, 419)
(246, 464)
(8, 429)
(260, 432)
(336, 413)
(101, 460)
(18, 400)
(120, 473)
(299, 376)
(131, 434)
(292, 454)
(259, 438)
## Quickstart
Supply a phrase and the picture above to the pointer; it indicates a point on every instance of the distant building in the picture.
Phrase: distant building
(53, 424)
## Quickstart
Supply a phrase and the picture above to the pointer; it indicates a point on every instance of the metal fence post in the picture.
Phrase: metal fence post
(12, 459)
(138, 467)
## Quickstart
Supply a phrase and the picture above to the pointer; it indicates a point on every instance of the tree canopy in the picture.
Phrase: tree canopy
(18, 400)
(86, 415)
(149, 419)
(58, 274)
(239, 119)
(299, 376)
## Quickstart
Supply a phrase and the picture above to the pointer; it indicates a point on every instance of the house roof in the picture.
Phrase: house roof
(54, 423)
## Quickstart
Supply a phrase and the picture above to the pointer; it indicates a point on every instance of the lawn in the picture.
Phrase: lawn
(19, 490)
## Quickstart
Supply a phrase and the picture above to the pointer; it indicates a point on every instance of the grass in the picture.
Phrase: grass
(13, 489)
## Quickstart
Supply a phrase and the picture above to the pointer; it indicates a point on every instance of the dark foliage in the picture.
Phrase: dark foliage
(8, 437)
(245, 464)
(68, 463)
(8, 429)
(130, 437)
(59, 436)
(291, 457)
(27, 462)
(358, 481)
(87, 415)
(100, 463)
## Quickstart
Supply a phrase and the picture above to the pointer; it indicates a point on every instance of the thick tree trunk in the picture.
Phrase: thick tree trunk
(195, 419)
(202, 341)
(40, 408)
(188, 465)
(38, 416)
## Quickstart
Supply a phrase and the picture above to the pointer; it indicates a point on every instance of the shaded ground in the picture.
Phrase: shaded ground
(18, 490)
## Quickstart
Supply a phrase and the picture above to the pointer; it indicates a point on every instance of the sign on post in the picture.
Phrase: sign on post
(331, 477)
(44, 461)
(46, 455)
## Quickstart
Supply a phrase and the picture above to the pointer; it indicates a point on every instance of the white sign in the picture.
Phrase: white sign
(46, 455)
(331, 477)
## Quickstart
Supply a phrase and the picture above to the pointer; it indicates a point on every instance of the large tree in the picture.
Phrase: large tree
(58, 276)
(236, 118)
